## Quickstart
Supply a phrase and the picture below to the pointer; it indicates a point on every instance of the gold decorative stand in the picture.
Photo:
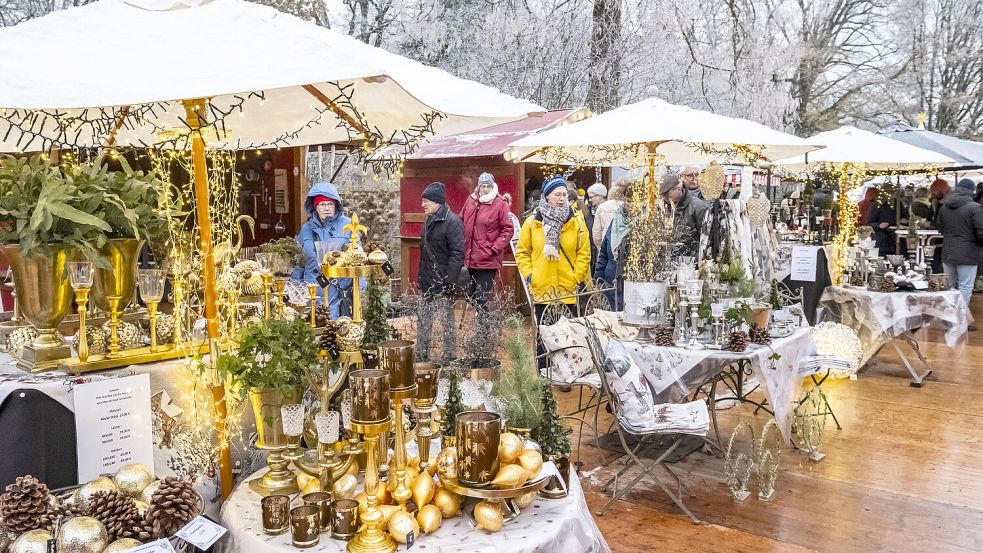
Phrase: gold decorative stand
(371, 538)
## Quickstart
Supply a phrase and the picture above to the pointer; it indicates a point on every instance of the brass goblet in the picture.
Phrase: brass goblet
(80, 274)
(151, 284)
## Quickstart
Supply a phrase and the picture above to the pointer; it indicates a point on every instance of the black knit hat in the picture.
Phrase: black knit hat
(435, 192)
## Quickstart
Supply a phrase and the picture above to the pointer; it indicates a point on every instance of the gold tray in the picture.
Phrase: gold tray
(332, 271)
(491, 492)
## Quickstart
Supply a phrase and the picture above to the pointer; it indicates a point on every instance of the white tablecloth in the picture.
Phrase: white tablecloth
(675, 372)
(548, 526)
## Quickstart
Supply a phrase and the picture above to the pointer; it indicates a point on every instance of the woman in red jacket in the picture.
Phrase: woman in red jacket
(487, 231)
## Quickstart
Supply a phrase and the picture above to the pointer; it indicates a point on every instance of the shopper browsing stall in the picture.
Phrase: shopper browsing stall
(689, 213)
(441, 260)
(326, 221)
(487, 231)
(960, 221)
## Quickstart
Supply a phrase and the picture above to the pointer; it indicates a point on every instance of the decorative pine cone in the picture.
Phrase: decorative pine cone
(888, 285)
(172, 506)
(165, 327)
(252, 285)
(663, 336)
(933, 286)
(98, 343)
(759, 335)
(63, 510)
(247, 267)
(129, 335)
(19, 339)
(116, 511)
(24, 503)
(737, 341)
(228, 281)
(857, 279)
(322, 314)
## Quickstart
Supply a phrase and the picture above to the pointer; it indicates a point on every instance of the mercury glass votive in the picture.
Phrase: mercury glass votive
(370, 395)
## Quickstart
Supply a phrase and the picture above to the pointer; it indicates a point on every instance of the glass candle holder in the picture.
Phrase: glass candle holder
(426, 375)
(396, 357)
(151, 284)
(321, 500)
(478, 437)
(305, 526)
(344, 519)
(370, 395)
(276, 514)
(326, 423)
(292, 417)
(80, 274)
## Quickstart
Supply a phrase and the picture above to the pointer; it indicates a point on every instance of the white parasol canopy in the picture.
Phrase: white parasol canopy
(877, 152)
(682, 135)
(113, 53)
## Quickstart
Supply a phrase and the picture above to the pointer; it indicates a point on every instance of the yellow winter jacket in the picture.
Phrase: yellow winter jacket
(554, 278)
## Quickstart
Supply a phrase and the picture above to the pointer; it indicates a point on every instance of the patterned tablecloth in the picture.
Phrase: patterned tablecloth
(675, 373)
(550, 525)
(879, 316)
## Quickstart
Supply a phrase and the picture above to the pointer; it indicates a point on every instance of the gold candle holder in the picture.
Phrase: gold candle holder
(267, 412)
(233, 315)
(80, 274)
(151, 284)
(280, 283)
(276, 514)
(305, 526)
(114, 351)
(396, 358)
(152, 311)
(370, 396)
(424, 405)
(267, 283)
(312, 294)
(371, 538)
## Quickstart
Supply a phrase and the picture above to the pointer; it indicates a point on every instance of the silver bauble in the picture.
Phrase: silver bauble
(82, 535)
(148, 492)
(132, 479)
(98, 344)
(121, 545)
(19, 338)
(247, 267)
(6, 538)
(89, 489)
(35, 541)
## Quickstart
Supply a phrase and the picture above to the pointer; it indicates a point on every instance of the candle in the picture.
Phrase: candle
(396, 357)
(370, 395)
(426, 380)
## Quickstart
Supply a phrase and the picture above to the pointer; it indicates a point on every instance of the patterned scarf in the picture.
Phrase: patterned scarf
(553, 220)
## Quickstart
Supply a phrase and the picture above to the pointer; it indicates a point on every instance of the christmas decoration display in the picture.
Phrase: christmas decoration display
(759, 335)
(737, 341)
(23, 504)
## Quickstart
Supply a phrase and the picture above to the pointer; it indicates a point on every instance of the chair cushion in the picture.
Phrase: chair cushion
(566, 341)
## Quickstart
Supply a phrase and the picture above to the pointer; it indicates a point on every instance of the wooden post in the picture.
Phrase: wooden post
(211, 313)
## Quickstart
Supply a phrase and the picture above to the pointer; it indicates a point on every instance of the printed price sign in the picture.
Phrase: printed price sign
(201, 532)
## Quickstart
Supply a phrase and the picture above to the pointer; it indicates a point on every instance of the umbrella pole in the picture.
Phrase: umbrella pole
(205, 232)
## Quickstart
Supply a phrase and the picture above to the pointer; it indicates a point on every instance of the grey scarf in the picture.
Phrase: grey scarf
(553, 220)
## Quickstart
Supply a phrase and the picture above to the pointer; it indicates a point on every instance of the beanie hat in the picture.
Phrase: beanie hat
(597, 189)
(435, 192)
(966, 184)
(669, 181)
(486, 178)
(319, 198)
(552, 184)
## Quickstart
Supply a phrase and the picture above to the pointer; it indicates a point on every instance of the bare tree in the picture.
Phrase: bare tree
(605, 55)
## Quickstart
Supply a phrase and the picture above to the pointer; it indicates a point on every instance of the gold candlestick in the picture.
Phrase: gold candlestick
(371, 538)
(80, 275)
(267, 282)
(113, 326)
(280, 283)
(152, 310)
(233, 314)
(401, 493)
(82, 298)
(312, 292)
(424, 407)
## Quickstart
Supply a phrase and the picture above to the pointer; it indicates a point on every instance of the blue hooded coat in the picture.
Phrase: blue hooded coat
(317, 230)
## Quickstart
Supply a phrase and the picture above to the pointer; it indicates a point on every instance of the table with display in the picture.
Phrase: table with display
(880, 318)
(548, 525)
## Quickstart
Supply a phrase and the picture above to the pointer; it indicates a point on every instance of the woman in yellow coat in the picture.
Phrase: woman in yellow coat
(553, 253)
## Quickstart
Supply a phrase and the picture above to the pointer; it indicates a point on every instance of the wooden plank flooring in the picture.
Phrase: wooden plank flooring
(904, 474)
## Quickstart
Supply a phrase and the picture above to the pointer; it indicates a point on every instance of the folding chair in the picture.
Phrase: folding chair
(634, 454)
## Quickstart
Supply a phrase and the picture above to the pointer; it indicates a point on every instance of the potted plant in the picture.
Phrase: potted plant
(289, 255)
(649, 260)
(553, 441)
(478, 344)
(517, 389)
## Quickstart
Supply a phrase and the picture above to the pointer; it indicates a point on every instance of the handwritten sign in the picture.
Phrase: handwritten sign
(113, 425)
(804, 263)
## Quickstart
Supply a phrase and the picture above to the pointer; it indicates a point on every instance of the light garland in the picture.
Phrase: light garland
(849, 177)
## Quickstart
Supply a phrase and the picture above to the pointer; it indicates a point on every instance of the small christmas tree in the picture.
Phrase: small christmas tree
(376, 325)
(551, 435)
(453, 407)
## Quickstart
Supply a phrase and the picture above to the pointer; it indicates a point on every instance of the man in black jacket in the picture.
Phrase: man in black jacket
(441, 261)
(960, 221)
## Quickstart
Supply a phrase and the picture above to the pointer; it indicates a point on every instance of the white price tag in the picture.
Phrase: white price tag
(201, 532)
(159, 546)
(920, 284)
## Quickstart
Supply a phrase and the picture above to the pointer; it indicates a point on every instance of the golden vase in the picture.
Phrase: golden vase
(44, 297)
(266, 403)
(120, 280)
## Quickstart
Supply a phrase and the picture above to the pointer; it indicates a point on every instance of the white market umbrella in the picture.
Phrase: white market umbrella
(681, 135)
(965, 153)
(274, 72)
(856, 146)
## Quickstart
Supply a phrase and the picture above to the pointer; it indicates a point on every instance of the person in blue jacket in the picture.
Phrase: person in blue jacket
(326, 221)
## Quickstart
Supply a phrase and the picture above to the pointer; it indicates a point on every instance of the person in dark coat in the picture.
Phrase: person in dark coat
(441, 261)
(613, 254)
(881, 218)
(487, 231)
(961, 224)
(689, 213)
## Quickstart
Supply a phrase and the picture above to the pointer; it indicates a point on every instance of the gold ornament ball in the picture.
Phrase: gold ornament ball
(524, 501)
(447, 463)
(429, 517)
(148, 491)
(85, 493)
(387, 513)
(303, 479)
(35, 541)
(344, 487)
(448, 502)
(313, 486)
(401, 524)
(488, 515)
(121, 545)
(423, 489)
(82, 535)
(509, 447)
(142, 506)
(132, 479)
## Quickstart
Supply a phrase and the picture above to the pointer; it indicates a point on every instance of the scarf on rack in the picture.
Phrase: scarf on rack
(553, 220)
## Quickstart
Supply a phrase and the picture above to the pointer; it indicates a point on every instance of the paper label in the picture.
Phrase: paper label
(113, 425)
(410, 540)
(920, 284)
(388, 268)
(201, 532)
(159, 546)
(804, 263)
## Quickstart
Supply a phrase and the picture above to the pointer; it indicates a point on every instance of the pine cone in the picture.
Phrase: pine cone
(888, 285)
(172, 506)
(24, 503)
(737, 341)
(322, 314)
(65, 511)
(663, 336)
(116, 511)
(857, 279)
(759, 335)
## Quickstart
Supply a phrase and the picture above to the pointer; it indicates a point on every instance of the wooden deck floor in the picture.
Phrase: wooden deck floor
(904, 474)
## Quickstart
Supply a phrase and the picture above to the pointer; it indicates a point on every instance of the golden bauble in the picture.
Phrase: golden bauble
(488, 515)
(312, 486)
(412, 473)
(447, 463)
(354, 468)
(148, 492)
(362, 501)
(401, 524)
(132, 479)
(387, 512)
(382, 495)
(510, 477)
(448, 502)
(525, 500)
(423, 489)
(378, 257)
(35, 541)
(121, 545)
(509, 446)
(304, 478)
(532, 461)
(344, 487)
(429, 517)
(82, 535)
(414, 462)
(85, 493)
